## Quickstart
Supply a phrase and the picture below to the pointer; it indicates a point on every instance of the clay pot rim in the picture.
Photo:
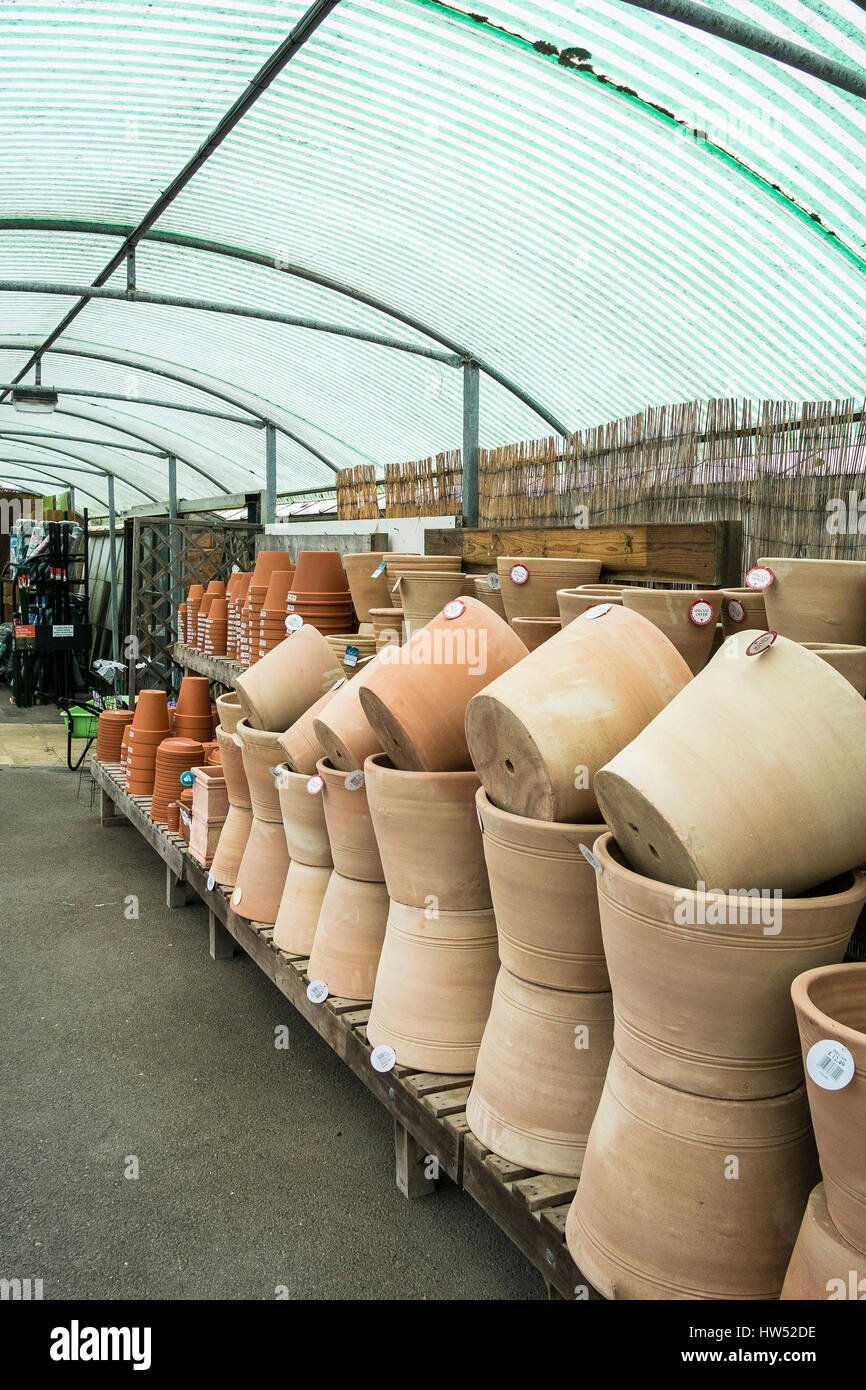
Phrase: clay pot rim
(261, 737)
(483, 802)
(551, 619)
(803, 1001)
(382, 764)
(833, 647)
(806, 560)
(547, 560)
(663, 593)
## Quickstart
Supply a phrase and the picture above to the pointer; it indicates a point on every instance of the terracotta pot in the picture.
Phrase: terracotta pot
(701, 980)
(232, 761)
(817, 600)
(260, 752)
(174, 757)
(539, 734)
(267, 562)
(535, 597)
(350, 828)
(193, 698)
(232, 844)
(303, 820)
(388, 626)
(173, 817)
(671, 611)
(831, 1007)
(428, 835)
(111, 727)
(262, 873)
(367, 592)
(319, 571)
(799, 731)
(742, 609)
(536, 861)
(287, 681)
(533, 631)
(536, 1091)
(398, 563)
(849, 661)
(300, 746)
(824, 1266)
(343, 643)
(416, 698)
(230, 710)
(491, 597)
(195, 593)
(279, 584)
(434, 987)
(424, 593)
(151, 711)
(300, 906)
(682, 1197)
(342, 728)
(349, 936)
(573, 602)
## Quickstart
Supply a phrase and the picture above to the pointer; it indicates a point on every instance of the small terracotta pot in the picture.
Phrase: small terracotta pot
(287, 681)
(799, 731)
(151, 711)
(230, 710)
(366, 591)
(260, 752)
(533, 631)
(416, 698)
(193, 698)
(742, 609)
(301, 903)
(540, 1073)
(262, 873)
(428, 835)
(491, 597)
(536, 861)
(303, 820)
(267, 562)
(535, 596)
(817, 600)
(350, 828)
(831, 1007)
(349, 936)
(540, 733)
(671, 610)
(434, 987)
(231, 846)
(849, 661)
(573, 602)
(319, 571)
(173, 817)
(824, 1265)
(681, 1197)
(301, 748)
(343, 729)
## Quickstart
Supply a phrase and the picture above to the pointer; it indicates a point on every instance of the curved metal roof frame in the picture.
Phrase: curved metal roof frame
(84, 458)
(17, 481)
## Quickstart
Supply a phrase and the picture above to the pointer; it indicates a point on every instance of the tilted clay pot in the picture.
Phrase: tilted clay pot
(428, 835)
(535, 596)
(742, 609)
(231, 845)
(303, 820)
(350, 827)
(491, 597)
(434, 987)
(824, 1266)
(849, 661)
(229, 710)
(261, 752)
(262, 873)
(232, 762)
(831, 1008)
(817, 600)
(423, 594)
(416, 698)
(540, 733)
(540, 1073)
(367, 592)
(343, 729)
(676, 613)
(683, 1197)
(754, 775)
(533, 862)
(573, 602)
(301, 903)
(287, 681)
(349, 936)
(533, 631)
(702, 980)
(300, 745)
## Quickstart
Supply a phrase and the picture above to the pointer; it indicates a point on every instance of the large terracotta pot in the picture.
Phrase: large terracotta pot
(301, 903)
(416, 698)
(573, 602)
(531, 862)
(267, 562)
(349, 936)
(824, 1266)
(674, 611)
(303, 820)
(434, 987)
(367, 592)
(533, 631)
(428, 835)
(755, 775)
(319, 571)
(540, 1073)
(681, 1197)
(398, 563)
(262, 873)
(350, 827)
(742, 609)
(849, 661)
(230, 710)
(388, 627)
(424, 594)
(539, 734)
(343, 729)
(701, 981)
(260, 752)
(280, 687)
(535, 597)
(231, 845)
(232, 760)
(300, 745)
(491, 597)
(817, 600)
(831, 1007)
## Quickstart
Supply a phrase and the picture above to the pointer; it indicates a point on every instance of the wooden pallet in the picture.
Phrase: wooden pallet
(218, 669)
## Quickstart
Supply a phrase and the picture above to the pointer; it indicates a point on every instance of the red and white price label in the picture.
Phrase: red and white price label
(736, 611)
(315, 784)
(701, 613)
(454, 609)
(760, 577)
(518, 574)
(761, 643)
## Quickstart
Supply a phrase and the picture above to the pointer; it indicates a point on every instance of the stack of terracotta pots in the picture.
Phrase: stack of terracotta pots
(272, 619)
(124, 755)
(688, 617)
(193, 604)
(109, 733)
(182, 610)
(320, 592)
(236, 594)
(215, 591)
(174, 757)
(150, 725)
(528, 583)
(239, 819)
(268, 563)
(388, 628)
(193, 715)
(216, 628)
(261, 876)
(209, 812)
(310, 863)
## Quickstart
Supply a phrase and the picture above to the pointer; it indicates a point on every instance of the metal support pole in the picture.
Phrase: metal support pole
(130, 271)
(470, 443)
(70, 494)
(173, 558)
(112, 562)
(270, 474)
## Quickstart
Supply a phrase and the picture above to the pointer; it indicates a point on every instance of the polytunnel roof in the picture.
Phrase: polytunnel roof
(603, 207)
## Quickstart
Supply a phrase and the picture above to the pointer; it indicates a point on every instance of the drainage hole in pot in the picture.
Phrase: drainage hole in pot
(509, 765)
(653, 851)
(633, 827)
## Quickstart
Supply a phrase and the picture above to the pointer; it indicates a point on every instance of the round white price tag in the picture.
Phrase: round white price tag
(237, 895)
(493, 581)
(829, 1064)
(337, 684)
(761, 643)
(238, 740)
(315, 784)
(518, 574)
(317, 991)
(293, 622)
(354, 781)
(701, 613)
(590, 857)
(598, 610)
(383, 1058)
(736, 611)
(211, 882)
(454, 608)
(760, 577)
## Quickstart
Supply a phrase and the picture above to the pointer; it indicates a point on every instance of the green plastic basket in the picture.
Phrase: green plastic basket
(84, 725)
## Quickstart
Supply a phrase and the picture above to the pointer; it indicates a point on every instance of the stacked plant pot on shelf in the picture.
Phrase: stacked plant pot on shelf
(193, 713)
(216, 628)
(236, 596)
(239, 818)
(150, 725)
(268, 563)
(193, 604)
(320, 594)
(272, 619)
(110, 730)
(310, 862)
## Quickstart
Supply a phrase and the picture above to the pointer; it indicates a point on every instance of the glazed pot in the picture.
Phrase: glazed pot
(742, 609)
(260, 752)
(231, 845)
(779, 739)
(229, 710)
(428, 835)
(849, 661)
(303, 820)
(539, 734)
(434, 987)
(681, 1197)
(831, 1007)
(492, 598)
(300, 745)
(416, 698)
(533, 631)
(823, 1266)
(817, 600)
(674, 612)
(701, 981)
(343, 730)
(262, 873)
(573, 602)
(367, 592)
(287, 681)
(301, 903)
(535, 597)
(349, 936)
(319, 571)
(350, 828)
(536, 1091)
(423, 594)
(537, 861)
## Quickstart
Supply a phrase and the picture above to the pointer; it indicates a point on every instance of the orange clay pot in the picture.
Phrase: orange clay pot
(193, 698)
(670, 610)
(262, 873)
(349, 936)
(319, 571)
(303, 820)
(343, 729)
(151, 711)
(823, 1266)
(231, 845)
(276, 691)
(260, 752)
(533, 631)
(301, 903)
(350, 828)
(536, 596)
(300, 746)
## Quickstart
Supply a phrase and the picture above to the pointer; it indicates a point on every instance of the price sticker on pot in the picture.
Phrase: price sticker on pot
(187, 779)
(291, 598)
(317, 991)
(598, 610)
(237, 895)
(760, 577)
(337, 684)
(354, 781)
(701, 613)
(736, 611)
(454, 609)
(185, 816)
(830, 1064)
(380, 569)
(761, 643)
(493, 582)
(350, 656)
(480, 821)
(383, 1058)
(315, 784)
(518, 574)
(293, 622)
(590, 857)
(238, 740)
(211, 882)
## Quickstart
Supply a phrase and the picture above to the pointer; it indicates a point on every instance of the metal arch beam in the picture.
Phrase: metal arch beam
(50, 478)
(255, 421)
(83, 439)
(82, 459)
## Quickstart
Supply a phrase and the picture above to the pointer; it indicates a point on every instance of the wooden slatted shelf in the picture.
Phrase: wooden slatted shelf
(217, 668)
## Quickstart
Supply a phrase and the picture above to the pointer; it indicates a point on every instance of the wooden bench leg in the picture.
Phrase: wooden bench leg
(108, 816)
(221, 943)
(175, 889)
(416, 1171)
